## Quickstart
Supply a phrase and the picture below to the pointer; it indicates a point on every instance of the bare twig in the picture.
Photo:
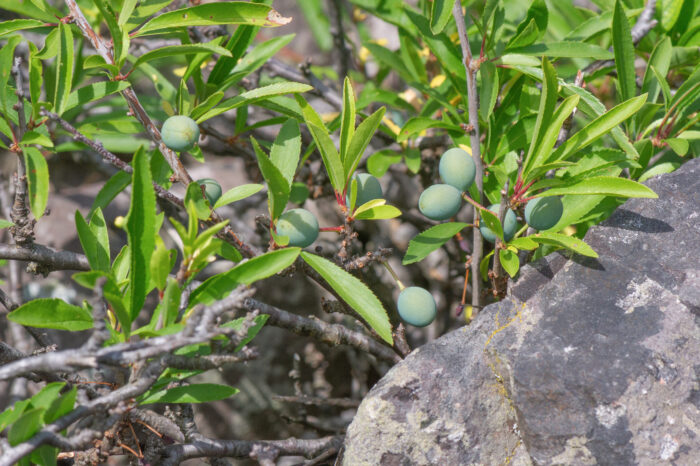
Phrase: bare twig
(209, 448)
(318, 401)
(46, 256)
(328, 333)
(473, 100)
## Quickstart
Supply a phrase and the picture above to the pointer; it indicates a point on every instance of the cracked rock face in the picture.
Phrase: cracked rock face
(586, 362)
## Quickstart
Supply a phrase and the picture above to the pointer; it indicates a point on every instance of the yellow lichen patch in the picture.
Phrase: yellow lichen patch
(518, 315)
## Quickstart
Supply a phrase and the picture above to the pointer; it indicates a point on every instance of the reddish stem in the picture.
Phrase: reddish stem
(337, 229)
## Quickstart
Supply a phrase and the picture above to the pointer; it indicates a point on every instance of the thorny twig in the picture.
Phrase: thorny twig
(473, 101)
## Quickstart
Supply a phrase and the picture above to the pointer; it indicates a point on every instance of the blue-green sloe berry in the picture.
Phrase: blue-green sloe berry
(440, 201)
(212, 189)
(299, 225)
(457, 168)
(416, 306)
(510, 225)
(180, 133)
(368, 189)
(543, 213)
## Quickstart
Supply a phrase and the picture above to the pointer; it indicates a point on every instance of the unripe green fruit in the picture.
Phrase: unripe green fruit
(368, 189)
(510, 225)
(416, 306)
(299, 225)
(543, 213)
(457, 169)
(180, 133)
(212, 190)
(440, 201)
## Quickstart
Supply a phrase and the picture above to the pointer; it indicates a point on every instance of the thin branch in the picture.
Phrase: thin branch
(46, 256)
(473, 101)
(211, 448)
(332, 334)
(318, 401)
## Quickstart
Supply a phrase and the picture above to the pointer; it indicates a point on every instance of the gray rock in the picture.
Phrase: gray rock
(588, 361)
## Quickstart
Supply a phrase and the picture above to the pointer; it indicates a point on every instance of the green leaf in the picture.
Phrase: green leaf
(116, 184)
(5, 223)
(360, 140)
(64, 69)
(198, 202)
(238, 44)
(237, 193)
(324, 144)
(670, 12)
(509, 261)
(565, 50)
(418, 124)
(347, 120)
(37, 9)
(194, 393)
(550, 135)
(548, 102)
(252, 331)
(35, 137)
(61, 405)
(533, 27)
(255, 95)
(254, 14)
(430, 240)
(94, 91)
(26, 426)
(94, 239)
(254, 59)
(140, 229)
(666, 167)
(378, 213)
(491, 220)
(52, 313)
(160, 265)
(660, 59)
(607, 185)
(263, 266)
(623, 47)
(286, 149)
(37, 180)
(488, 93)
(379, 162)
(678, 145)
(278, 188)
(598, 128)
(185, 49)
(440, 14)
(317, 20)
(353, 292)
(6, 56)
(11, 414)
(569, 242)
(126, 11)
(112, 293)
(523, 243)
(7, 27)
